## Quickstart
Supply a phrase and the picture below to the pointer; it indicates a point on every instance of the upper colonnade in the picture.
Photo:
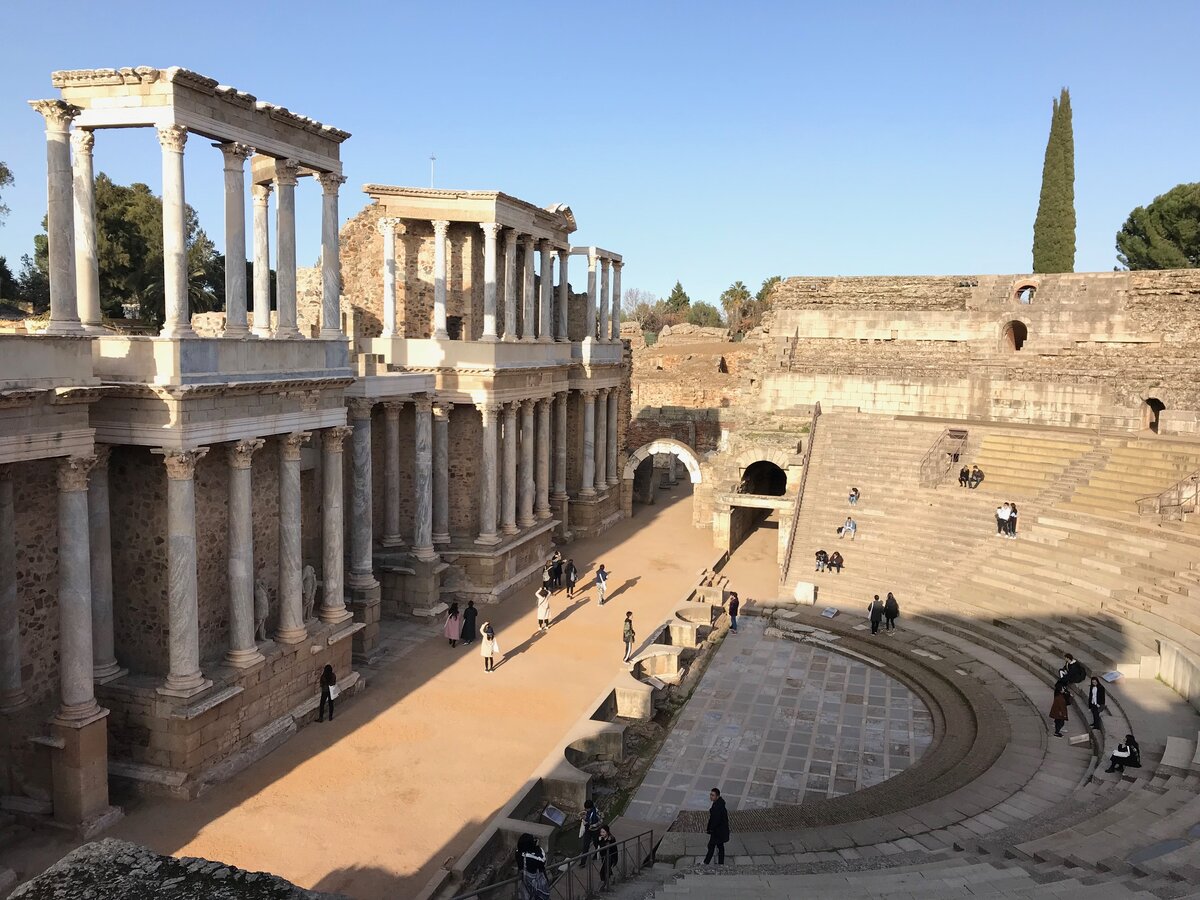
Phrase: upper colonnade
(177, 103)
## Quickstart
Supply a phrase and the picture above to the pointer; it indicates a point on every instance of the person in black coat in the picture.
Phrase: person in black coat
(606, 850)
(734, 605)
(718, 827)
(1096, 701)
(891, 611)
(468, 622)
(328, 680)
(1071, 672)
(875, 611)
(531, 864)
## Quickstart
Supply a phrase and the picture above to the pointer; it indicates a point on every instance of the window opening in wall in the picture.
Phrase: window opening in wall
(1151, 410)
(454, 327)
(1025, 294)
(1015, 335)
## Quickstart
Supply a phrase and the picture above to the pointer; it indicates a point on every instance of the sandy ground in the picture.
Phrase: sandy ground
(412, 768)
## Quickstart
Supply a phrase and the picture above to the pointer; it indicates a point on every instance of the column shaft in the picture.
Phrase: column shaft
(12, 694)
(546, 317)
(77, 693)
(440, 227)
(525, 477)
(564, 295)
(235, 237)
(177, 321)
(104, 659)
(441, 472)
(487, 476)
(243, 651)
(588, 479)
(614, 476)
(560, 445)
(510, 285)
(362, 565)
(490, 231)
(589, 324)
(508, 520)
(616, 301)
(60, 215)
(87, 267)
(184, 678)
(542, 505)
(602, 440)
(605, 298)
(387, 228)
(291, 628)
(391, 475)
(528, 298)
(262, 260)
(423, 479)
(285, 249)
(333, 600)
(331, 264)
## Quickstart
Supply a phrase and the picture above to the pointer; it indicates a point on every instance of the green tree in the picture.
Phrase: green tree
(734, 301)
(704, 314)
(764, 293)
(1054, 227)
(33, 284)
(6, 179)
(677, 301)
(8, 281)
(1165, 234)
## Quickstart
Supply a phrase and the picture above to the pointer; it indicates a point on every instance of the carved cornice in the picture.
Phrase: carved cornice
(235, 154)
(67, 395)
(73, 472)
(184, 392)
(290, 444)
(360, 408)
(181, 464)
(241, 454)
(309, 400)
(82, 141)
(287, 172)
(333, 437)
(57, 113)
(19, 397)
(172, 137)
(330, 182)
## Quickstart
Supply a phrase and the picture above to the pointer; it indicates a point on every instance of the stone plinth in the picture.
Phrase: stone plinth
(166, 361)
(431, 354)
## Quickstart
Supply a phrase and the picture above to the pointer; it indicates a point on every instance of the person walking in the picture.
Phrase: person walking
(734, 605)
(875, 611)
(607, 850)
(328, 692)
(891, 611)
(489, 647)
(601, 582)
(469, 615)
(1002, 519)
(548, 576)
(1012, 520)
(1058, 710)
(543, 608)
(572, 576)
(628, 635)
(849, 528)
(453, 627)
(531, 868)
(718, 827)
(1096, 699)
(589, 830)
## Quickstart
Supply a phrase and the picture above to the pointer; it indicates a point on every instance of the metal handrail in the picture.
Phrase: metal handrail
(576, 880)
(940, 458)
(786, 564)
(1175, 502)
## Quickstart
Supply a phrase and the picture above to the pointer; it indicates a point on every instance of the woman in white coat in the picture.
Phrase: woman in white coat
(543, 608)
(489, 647)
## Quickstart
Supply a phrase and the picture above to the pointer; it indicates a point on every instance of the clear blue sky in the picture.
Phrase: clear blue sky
(707, 142)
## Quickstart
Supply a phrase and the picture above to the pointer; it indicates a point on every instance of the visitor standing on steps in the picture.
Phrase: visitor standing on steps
(543, 608)
(1096, 700)
(1012, 520)
(718, 827)
(875, 611)
(628, 635)
(601, 582)
(891, 611)
(1002, 513)
(328, 692)
(589, 830)
(531, 866)
(734, 605)
(468, 623)
(488, 646)
(1058, 710)
(572, 574)
(453, 627)
(606, 849)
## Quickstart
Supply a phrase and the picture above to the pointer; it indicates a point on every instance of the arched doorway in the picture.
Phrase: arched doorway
(638, 474)
(763, 477)
(1014, 335)
(1152, 409)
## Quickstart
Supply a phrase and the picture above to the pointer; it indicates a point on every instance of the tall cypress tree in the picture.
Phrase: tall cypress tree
(1054, 227)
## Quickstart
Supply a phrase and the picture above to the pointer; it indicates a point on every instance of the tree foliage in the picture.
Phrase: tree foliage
(1165, 234)
(734, 301)
(1054, 227)
(704, 314)
(6, 180)
(641, 307)
(677, 301)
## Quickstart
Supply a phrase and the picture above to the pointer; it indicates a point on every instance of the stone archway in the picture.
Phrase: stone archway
(1013, 335)
(680, 450)
(1152, 410)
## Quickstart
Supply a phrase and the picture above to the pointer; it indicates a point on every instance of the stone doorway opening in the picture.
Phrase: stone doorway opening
(1025, 293)
(1152, 409)
(763, 477)
(1014, 335)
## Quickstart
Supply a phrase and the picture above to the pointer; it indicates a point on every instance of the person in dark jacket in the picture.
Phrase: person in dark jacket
(718, 827)
(836, 562)
(891, 611)
(606, 849)
(964, 477)
(734, 605)
(531, 866)
(468, 622)
(875, 611)
(1071, 672)
(822, 560)
(328, 680)
(1096, 701)
(1058, 710)
(572, 576)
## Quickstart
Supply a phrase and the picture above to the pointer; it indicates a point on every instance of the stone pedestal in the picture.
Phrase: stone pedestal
(424, 588)
(805, 593)
(366, 607)
(80, 769)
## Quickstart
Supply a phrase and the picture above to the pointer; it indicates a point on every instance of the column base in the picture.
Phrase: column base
(441, 539)
(507, 338)
(545, 339)
(185, 687)
(334, 615)
(290, 333)
(425, 554)
(240, 332)
(291, 635)
(391, 540)
(12, 701)
(488, 539)
(441, 334)
(543, 514)
(511, 529)
(177, 331)
(263, 333)
(73, 326)
(244, 659)
(79, 714)
(587, 492)
(330, 334)
(524, 522)
(107, 672)
(80, 770)
(613, 482)
(489, 338)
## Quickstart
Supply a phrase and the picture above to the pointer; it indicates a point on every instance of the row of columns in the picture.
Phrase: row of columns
(603, 311)
(71, 233)
(431, 457)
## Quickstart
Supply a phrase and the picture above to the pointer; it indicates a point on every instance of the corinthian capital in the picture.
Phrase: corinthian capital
(172, 137)
(388, 225)
(262, 193)
(235, 154)
(287, 172)
(290, 444)
(423, 403)
(181, 464)
(241, 454)
(490, 229)
(331, 181)
(440, 227)
(360, 408)
(82, 141)
(57, 113)
(73, 472)
(333, 437)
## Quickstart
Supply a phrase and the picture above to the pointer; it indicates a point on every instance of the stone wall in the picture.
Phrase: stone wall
(35, 504)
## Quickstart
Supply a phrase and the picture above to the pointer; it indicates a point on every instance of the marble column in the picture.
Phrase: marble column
(77, 691)
(614, 477)
(546, 318)
(387, 227)
(104, 658)
(525, 479)
(331, 261)
(487, 475)
(177, 320)
(261, 194)
(560, 445)
(286, 176)
(508, 506)
(243, 649)
(542, 475)
(333, 527)
(291, 628)
(423, 478)
(60, 216)
(184, 678)
(391, 474)
(564, 295)
(601, 440)
(490, 231)
(605, 298)
(589, 318)
(441, 472)
(587, 488)
(235, 237)
(12, 694)
(87, 267)
(616, 300)
(440, 227)
(528, 297)
(362, 564)
(510, 285)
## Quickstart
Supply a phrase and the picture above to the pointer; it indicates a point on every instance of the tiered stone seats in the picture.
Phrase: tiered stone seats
(1021, 464)
(1137, 467)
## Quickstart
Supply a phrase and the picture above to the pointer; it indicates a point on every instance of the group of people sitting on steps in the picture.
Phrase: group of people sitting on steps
(1072, 672)
(970, 478)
